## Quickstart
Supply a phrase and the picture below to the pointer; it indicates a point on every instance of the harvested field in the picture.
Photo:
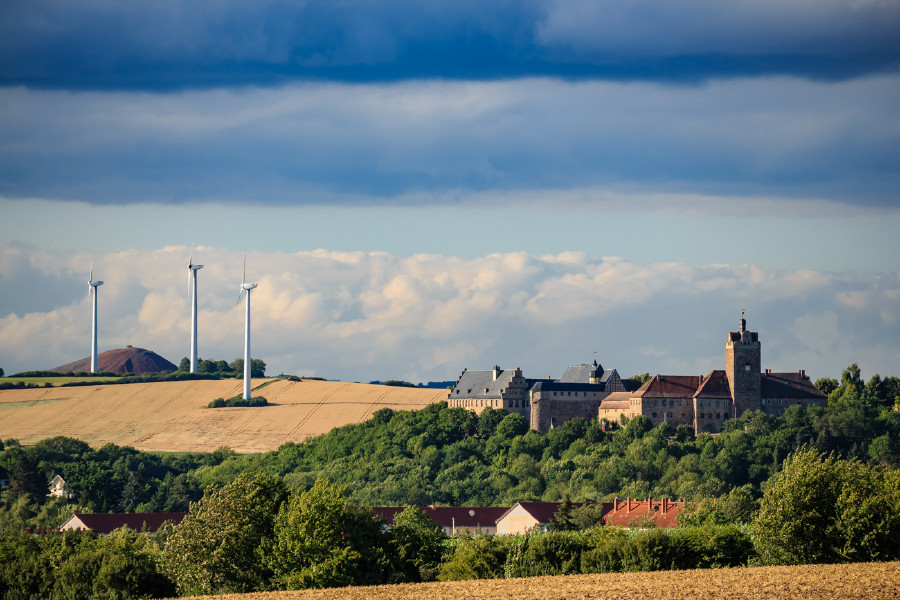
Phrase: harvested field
(868, 581)
(172, 416)
(55, 380)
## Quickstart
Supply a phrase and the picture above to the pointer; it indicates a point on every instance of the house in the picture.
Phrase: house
(524, 516)
(105, 523)
(452, 519)
(58, 487)
(639, 513)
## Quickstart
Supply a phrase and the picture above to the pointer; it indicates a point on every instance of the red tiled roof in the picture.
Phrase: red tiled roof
(629, 513)
(109, 522)
(715, 385)
(670, 386)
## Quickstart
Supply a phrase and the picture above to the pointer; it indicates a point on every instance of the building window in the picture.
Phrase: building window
(718, 415)
(654, 415)
(664, 402)
(669, 415)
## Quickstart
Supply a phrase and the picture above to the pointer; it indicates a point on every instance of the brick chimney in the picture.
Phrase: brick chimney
(496, 372)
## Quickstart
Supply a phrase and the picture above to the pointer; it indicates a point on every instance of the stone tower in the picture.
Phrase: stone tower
(742, 367)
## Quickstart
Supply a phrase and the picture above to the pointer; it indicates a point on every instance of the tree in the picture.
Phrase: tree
(185, 364)
(512, 425)
(821, 509)
(418, 544)
(564, 518)
(321, 541)
(214, 549)
(257, 367)
(2, 374)
(826, 385)
(641, 379)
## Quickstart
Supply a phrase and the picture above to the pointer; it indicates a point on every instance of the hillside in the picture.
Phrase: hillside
(172, 416)
(862, 581)
(121, 360)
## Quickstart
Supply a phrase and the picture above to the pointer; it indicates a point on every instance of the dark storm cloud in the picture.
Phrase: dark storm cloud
(340, 143)
(102, 44)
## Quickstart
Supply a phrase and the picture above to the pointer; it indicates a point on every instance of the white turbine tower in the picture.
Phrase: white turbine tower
(92, 292)
(246, 288)
(192, 283)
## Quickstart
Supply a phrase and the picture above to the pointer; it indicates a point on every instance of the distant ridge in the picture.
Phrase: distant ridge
(122, 360)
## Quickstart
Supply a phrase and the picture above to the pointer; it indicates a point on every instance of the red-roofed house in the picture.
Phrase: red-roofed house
(452, 519)
(105, 523)
(637, 513)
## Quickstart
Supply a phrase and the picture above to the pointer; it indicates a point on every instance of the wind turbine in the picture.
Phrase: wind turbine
(246, 287)
(192, 283)
(92, 292)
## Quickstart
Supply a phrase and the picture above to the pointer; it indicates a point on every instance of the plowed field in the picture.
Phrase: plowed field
(869, 581)
(172, 416)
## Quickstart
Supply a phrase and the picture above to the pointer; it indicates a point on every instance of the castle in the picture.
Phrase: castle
(703, 402)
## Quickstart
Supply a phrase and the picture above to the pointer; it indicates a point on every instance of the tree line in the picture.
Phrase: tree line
(258, 534)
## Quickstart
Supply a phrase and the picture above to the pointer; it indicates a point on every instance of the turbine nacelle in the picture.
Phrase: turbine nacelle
(248, 286)
(195, 267)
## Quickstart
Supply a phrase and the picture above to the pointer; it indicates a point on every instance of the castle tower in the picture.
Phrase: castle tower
(742, 367)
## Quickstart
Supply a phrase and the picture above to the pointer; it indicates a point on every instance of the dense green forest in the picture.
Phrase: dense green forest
(847, 453)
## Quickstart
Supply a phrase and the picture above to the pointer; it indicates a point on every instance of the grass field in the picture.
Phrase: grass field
(173, 417)
(863, 581)
(54, 380)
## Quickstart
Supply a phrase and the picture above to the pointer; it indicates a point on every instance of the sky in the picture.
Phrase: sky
(423, 187)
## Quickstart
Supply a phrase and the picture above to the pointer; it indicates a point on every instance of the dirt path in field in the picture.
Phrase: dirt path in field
(864, 581)
(172, 416)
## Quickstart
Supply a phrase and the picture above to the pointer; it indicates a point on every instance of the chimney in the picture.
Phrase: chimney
(768, 371)
(496, 372)
(802, 373)
(615, 504)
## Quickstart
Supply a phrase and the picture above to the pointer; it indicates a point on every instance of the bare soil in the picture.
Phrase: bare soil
(863, 581)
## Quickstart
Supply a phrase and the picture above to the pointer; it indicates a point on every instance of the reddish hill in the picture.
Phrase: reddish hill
(122, 360)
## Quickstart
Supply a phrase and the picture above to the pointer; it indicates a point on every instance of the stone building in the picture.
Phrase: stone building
(497, 388)
(578, 393)
(706, 401)
(703, 402)
(546, 403)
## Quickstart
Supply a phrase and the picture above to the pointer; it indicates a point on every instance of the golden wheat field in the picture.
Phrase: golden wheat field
(172, 416)
(868, 581)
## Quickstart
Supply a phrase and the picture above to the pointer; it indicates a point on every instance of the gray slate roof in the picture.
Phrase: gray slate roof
(789, 385)
(481, 384)
(581, 373)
